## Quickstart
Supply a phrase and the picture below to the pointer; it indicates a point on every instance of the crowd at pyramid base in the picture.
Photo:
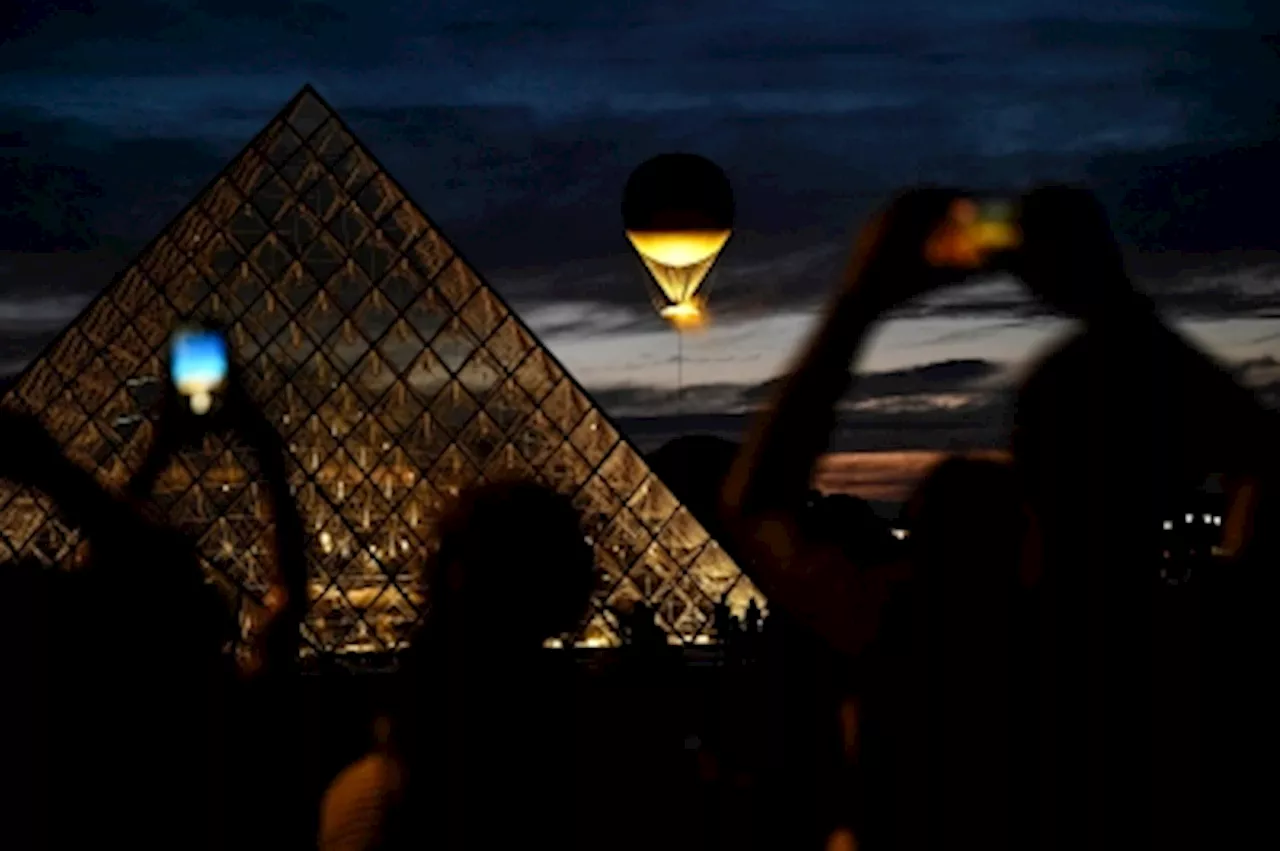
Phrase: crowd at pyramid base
(396, 377)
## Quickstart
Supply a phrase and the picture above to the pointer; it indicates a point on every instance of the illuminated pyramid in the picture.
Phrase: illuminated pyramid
(396, 377)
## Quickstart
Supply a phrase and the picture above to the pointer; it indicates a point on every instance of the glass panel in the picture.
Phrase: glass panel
(354, 169)
(378, 197)
(598, 504)
(102, 322)
(404, 225)
(508, 464)
(350, 226)
(538, 375)
(330, 142)
(428, 314)
(271, 257)
(481, 375)
(683, 536)
(537, 439)
(566, 470)
(280, 144)
(402, 284)
(625, 538)
(594, 437)
(133, 291)
(297, 227)
(454, 344)
(509, 405)
(714, 571)
(400, 346)
(565, 406)
(457, 282)
(375, 256)
(509, 344)
(271, 196)
(39, 385)
(323, 197)
(295, 287)
(430, 253)
(398, 409)
(453, 472)
(426, 376)
(653, 503)
(624, 470)
(483, 313)
(348, 288)
(453, 407)
(481, 439)
(323, 257)
(187, 290)
(301, 169)
(191, 229)
(247, 227)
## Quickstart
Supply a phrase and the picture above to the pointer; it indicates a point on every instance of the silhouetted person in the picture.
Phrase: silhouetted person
(949, 691)
(851, 522)
(765, 501)
(695, 467)
(263, 752)
(1107, 427)
(641, 632)
(120, 683)
(481, 747)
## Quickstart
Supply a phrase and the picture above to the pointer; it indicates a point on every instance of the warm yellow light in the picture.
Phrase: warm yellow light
(685, 314)
(201, 402)
(678, 248)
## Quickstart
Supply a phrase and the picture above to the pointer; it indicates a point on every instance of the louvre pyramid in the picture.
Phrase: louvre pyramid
(396, 377)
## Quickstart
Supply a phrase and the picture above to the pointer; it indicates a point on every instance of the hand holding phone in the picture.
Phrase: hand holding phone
(974, 234)
(198, 366)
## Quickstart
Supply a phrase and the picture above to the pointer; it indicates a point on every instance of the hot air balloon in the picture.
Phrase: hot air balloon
(677, 210)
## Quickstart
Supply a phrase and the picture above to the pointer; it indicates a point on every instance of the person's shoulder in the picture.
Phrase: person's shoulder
(354, 811)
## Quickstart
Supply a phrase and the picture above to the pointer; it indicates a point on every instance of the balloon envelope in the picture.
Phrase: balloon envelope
(677, 210)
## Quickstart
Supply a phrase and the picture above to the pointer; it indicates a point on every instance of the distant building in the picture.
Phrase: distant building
(1190, 535)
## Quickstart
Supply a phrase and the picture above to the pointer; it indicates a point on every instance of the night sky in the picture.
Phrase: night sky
(515, 124)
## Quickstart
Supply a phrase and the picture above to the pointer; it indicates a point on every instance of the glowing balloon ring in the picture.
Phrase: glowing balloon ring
(677, 212)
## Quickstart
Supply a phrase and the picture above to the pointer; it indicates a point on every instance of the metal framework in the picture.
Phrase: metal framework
(395, 374)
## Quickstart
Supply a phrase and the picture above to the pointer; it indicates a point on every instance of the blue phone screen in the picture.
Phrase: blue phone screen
(198, 361)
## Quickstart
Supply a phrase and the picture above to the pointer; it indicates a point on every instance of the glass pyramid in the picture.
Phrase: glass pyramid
(395, 375)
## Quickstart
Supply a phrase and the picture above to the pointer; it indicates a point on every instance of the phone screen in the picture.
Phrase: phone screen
(198, 365)
(974, 230)
(996, 227)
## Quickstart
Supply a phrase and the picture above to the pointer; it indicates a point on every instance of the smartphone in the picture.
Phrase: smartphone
(976, 232)
(198, 365)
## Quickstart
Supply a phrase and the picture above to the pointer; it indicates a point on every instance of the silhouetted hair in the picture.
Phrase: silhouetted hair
(967, 509)
(695, 467)
(513, 564)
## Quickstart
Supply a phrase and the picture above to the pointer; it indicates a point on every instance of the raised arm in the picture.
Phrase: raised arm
(277, 645)
(766, 490)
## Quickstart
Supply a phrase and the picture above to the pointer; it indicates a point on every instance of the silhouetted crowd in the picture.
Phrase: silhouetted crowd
(1019, 672)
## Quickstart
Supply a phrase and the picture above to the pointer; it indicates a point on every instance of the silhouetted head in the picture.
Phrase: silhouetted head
(1070, 257)
(513, 567)
(968, 522)
(852, 523)
(695, 467)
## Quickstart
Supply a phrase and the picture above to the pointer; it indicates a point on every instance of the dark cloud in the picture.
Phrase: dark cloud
(934, 378)
(947, 385)
(979, 427)
(816, 117)
(78, 184)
